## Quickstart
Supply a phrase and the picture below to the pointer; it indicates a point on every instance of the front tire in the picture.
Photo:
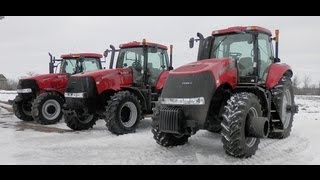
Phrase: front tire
(238, 110)
(22, 108)
(123, 113)
(162, 138)
(79, 122)
(47, 108)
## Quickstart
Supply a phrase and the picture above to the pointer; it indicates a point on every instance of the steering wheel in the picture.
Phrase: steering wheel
(137, 65)
(235, 55)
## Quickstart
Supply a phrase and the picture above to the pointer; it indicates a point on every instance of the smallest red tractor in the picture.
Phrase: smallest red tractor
(238, 88)
(120, 96)
(40, 98)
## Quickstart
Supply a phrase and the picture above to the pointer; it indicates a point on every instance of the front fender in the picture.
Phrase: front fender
(276, 72)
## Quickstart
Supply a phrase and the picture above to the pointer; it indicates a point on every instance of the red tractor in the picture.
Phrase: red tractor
(123, 95)
(237, 88)
(40, 98)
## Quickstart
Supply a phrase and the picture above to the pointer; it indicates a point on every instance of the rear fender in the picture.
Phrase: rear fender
(162, 80)
(276, 72)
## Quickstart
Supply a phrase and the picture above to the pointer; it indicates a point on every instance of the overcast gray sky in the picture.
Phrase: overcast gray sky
(25, 41)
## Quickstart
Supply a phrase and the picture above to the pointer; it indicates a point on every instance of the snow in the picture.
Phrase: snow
(7, 95)
(30, 143)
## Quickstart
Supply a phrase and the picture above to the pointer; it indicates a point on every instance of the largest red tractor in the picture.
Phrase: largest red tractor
(40, 98)
(120, 96)
(237, 88)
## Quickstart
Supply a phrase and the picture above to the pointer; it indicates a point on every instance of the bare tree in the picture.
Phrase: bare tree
(31, 74)
(306, 82)
(296, 81)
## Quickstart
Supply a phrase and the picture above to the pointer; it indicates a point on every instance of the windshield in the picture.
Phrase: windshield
(234, 46)
(130, 57)
(74, 66)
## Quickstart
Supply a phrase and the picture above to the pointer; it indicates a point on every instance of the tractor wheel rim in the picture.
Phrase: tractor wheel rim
(286, 114)
(51, 109)
(128, 114)
(250, 141)
(26, 108)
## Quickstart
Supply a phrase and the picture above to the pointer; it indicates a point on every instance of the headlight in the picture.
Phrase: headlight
(24, 91)
(75, 95)
(183, 101)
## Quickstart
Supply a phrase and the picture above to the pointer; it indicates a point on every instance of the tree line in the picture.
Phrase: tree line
(304, 87)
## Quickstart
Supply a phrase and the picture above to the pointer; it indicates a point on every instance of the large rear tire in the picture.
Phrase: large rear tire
(240, 107)
(22, 108)
(123, 113)
(79, 122)
(47, 108)
(283, 99)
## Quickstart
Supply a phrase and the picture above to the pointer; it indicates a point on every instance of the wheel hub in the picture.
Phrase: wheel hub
(128, 114)
(286, 109)
(250, 141)
(51, 109)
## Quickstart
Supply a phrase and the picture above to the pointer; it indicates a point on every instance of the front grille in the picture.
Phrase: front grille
(171, 120)
(28, 83)
(82, 84)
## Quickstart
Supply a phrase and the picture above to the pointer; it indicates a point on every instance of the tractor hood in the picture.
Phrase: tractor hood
(192, 86)
(45, 82)
(223, 70)
(216, 66)
(46, 77)
(110, 79)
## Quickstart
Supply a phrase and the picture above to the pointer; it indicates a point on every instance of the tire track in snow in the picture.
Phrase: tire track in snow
(270, 151)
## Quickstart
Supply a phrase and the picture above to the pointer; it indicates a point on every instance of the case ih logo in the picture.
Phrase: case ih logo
(186, 83)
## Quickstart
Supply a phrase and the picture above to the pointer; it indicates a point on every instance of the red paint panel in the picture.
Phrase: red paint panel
(88, 55)
(275, 73)
(241, 28)
(223, 70)
(52, 81)
(139, 44)
(162, 80)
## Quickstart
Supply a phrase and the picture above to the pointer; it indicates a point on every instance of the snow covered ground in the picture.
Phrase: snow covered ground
(7, 95)
(29, 143)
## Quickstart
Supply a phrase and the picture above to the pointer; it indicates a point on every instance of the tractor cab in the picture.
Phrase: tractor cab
(146, 60)
(76, 63)
(250, 47)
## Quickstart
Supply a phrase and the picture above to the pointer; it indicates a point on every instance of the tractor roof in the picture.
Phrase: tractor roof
(139, 44)
(241, 29)
(88, 55)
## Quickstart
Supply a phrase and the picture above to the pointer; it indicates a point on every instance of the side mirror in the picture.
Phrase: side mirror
(191, 42)
(276, 60)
